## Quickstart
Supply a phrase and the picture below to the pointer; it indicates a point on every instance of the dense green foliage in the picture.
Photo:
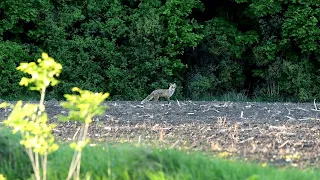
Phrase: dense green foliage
(105, 161)
(262, 49)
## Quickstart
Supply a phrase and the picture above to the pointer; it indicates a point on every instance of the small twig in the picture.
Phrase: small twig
(315, 110)
(226, 104)
(277, 127)
(288, 134)
(216, 110)
(283, 144)
(290, 118)
(289, 110)
(148, 115)
(249, 139)
(174, 144)
(300, 108)
(178, 103)
(211, 109)
(247, 129)
(140, 106)
(315, 106)
(305, 119)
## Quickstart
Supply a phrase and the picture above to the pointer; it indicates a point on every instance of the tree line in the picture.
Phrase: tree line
(265, 50)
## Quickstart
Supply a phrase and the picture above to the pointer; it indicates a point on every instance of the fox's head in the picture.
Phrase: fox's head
(172, 88)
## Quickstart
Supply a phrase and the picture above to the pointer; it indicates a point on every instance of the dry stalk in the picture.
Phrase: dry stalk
(178, 103)
(315, 105)
(249, 139)
(277, 127)
(221, 121)
(306, 119)
(174, 144)
(290, 118)
(235, 134)
(161, 135)
(75, 134)
(283, 144)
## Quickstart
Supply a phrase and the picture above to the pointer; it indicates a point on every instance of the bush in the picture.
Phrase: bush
(11, 54)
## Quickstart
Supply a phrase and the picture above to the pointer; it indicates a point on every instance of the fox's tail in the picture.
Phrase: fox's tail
(148, 98)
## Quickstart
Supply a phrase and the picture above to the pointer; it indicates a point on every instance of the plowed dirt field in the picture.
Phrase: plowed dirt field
(284, 134)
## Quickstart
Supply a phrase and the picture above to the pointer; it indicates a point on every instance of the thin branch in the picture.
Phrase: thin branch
(77, 174)
(41, 103)
(44, 166)
(76, 161)
(70, 173)
(31, 157)
(36, 155)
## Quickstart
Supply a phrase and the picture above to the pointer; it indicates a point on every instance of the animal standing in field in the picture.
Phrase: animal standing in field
(167, 93)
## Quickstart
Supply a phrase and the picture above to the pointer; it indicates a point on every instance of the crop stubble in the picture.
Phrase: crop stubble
(276, 133)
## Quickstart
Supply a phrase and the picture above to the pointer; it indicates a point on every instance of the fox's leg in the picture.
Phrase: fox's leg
(168, 98)
(156, 97)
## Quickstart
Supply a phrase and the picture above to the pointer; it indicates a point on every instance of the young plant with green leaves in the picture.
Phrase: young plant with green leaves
(82, 108)
(31, 119)
(2, 177)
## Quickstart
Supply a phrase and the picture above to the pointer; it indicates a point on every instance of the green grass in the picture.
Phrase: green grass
(124, 161)
(14, 163)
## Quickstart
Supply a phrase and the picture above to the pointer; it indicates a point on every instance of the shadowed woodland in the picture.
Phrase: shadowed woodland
(260, 50)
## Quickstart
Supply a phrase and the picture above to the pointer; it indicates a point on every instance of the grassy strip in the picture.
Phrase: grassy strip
(123, 161)
(14, 162)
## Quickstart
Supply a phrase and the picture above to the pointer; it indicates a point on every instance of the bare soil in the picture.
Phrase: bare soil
(282, 134)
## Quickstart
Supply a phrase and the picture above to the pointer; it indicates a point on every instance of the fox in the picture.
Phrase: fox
(167, 93)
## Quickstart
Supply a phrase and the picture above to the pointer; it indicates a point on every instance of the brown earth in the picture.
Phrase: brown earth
(273, 133)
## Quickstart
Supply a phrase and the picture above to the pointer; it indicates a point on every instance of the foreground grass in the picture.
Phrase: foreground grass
(105, 161)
